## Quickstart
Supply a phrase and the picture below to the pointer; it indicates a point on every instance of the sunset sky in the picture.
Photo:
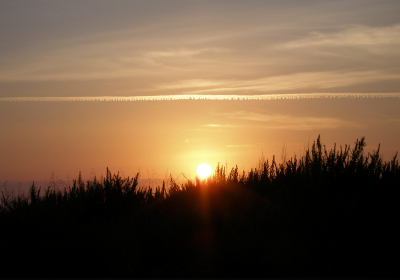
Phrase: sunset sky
(90, 84)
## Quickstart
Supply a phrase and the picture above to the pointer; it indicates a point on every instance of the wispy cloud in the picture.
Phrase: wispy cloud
(290, 122)
(184, 52)
(393, 120)
(239, 146)
(219, 125)
(202, 48)
(203, 154)
(314, 80)
(201, 97)
(372, 38)
(193, 83)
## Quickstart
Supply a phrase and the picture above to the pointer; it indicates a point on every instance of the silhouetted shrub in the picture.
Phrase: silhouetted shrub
(328, 213)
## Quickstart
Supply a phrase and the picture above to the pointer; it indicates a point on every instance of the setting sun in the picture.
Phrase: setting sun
(204, 170)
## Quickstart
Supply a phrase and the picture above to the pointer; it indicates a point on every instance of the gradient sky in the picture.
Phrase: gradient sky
(338, 61)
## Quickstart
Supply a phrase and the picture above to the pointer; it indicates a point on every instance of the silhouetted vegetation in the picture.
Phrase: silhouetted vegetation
(328, 213)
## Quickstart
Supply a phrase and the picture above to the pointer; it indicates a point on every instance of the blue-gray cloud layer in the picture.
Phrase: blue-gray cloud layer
(128, 48)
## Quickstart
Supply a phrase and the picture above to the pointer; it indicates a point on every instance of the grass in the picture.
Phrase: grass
(329, 213)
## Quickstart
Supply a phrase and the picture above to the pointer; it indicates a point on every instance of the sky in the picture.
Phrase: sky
(158, 87)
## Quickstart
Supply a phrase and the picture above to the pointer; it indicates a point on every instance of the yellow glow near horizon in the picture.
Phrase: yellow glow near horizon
(204, 170)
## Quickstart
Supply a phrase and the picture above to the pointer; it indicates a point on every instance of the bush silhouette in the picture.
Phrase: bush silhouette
(331, 213)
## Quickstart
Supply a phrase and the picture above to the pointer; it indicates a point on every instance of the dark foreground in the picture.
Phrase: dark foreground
(329, 214)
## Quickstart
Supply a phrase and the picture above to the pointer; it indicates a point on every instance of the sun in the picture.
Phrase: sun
(204, 170)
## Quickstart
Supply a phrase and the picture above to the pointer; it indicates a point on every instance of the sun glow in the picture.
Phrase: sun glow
(204, 170)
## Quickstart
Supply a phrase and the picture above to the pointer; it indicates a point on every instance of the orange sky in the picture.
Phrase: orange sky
(159, 137)
(57, 49)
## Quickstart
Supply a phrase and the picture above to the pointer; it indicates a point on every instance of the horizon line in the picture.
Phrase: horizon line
(202, 97)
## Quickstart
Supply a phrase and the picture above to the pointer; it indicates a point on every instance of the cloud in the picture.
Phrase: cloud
(200, 97)
(193, 83)
(393, 120)
(219, 125)
(375, 39)
(181, 61)
(203, 154)
(297, 81)
(290, 122)
(184, 52)
(239, 146)
(203, 48)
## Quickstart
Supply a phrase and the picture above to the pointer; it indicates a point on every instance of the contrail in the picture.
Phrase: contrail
(203, 97)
